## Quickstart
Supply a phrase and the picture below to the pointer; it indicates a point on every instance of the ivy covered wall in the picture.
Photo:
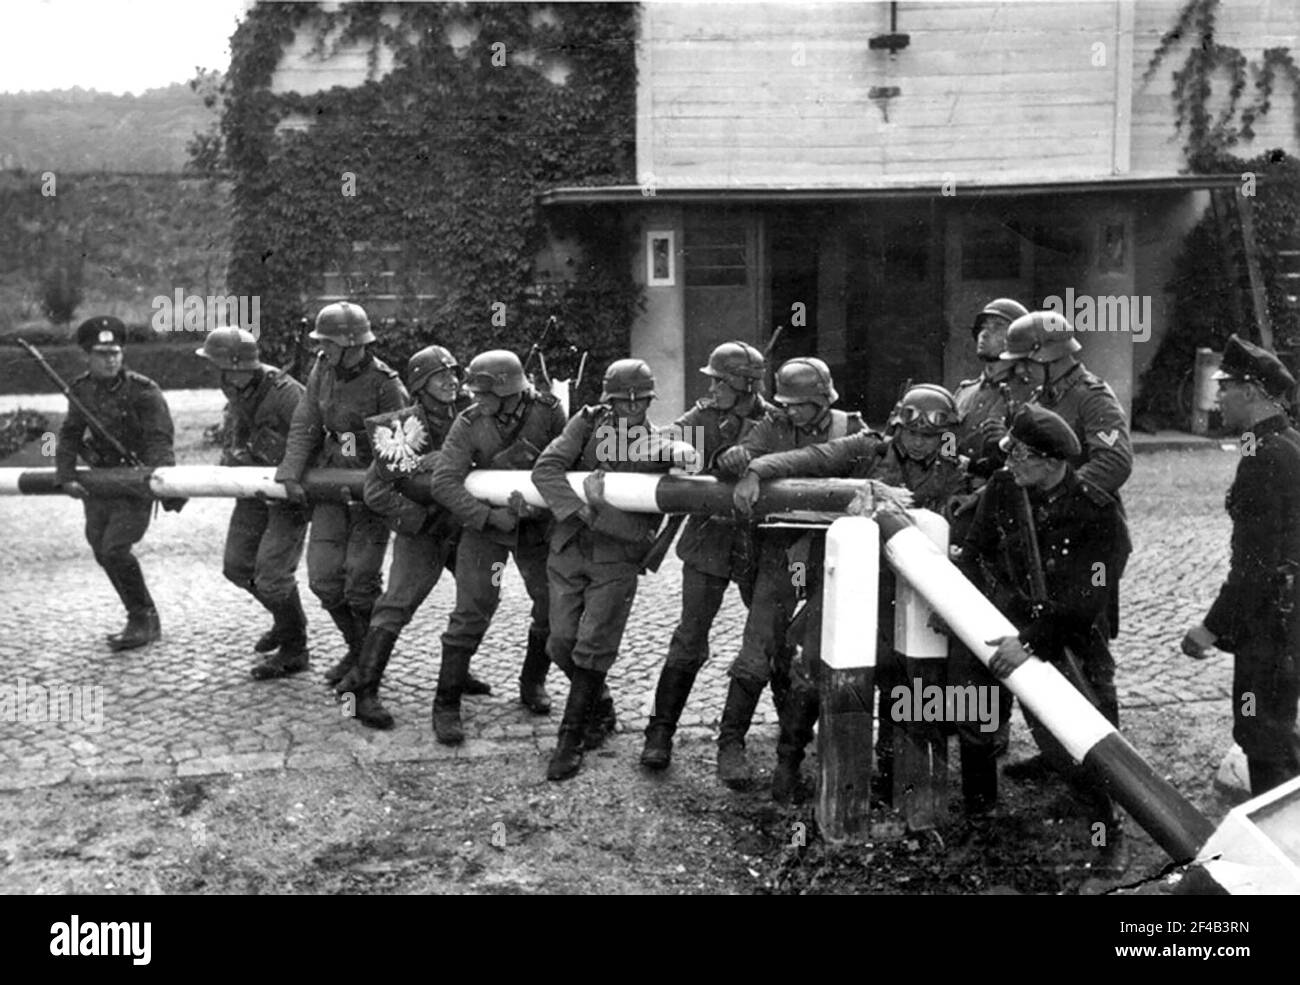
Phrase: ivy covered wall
(433, 167)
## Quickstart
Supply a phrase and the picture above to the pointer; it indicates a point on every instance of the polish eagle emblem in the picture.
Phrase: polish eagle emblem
(399, 441)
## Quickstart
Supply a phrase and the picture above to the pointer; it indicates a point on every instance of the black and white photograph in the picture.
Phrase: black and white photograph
(651, 449)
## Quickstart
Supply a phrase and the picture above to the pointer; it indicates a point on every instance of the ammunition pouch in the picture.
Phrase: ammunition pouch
(267, 445)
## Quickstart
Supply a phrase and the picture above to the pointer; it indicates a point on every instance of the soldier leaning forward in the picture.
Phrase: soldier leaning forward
(406, 444)
(506, 428)
(805, 391)
(597, 551)
(265, 537)
(714, 550)
(345, 549)
(1256, 615)
(131, 409)
(913, 457)
(1083, 545)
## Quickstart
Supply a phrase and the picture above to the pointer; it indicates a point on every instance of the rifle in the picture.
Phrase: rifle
(658, 550)
(100, 431)
(1038, 590)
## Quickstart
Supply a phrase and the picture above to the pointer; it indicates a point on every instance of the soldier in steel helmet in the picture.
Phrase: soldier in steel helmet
(1256, 615)
(715, 551)
(596, 549)
(131, 408)
(786, 557)
(346, 545)
(407, 443)
(982, 401)
(1043, 347)
(264, 540)
(1083, 545)
(918, 454)
(506, 428)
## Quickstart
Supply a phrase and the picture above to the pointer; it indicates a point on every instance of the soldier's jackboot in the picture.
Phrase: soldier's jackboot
(584, 691)
(979, 779)
(142, 628)
(447, 725)
(532, 677)
(351, 681)
(270, 640)
(602, 722)
(797, 722)
(737, 713)
(142, 624)
(375, 652)
(291, 629)
(346, 621)
(670, 698)
(474, 687)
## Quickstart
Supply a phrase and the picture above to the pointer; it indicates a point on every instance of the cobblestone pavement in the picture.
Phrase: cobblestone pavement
(186, 705)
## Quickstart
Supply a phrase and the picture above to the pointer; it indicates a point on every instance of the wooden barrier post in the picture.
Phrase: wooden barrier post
(921, 761)
(844, 746)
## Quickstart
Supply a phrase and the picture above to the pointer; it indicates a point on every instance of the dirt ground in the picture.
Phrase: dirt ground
(493, 825)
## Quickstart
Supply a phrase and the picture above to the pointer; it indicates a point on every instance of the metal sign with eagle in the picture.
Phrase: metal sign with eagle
(401, 442)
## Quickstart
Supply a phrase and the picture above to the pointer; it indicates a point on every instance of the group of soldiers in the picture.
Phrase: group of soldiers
(1026, 462)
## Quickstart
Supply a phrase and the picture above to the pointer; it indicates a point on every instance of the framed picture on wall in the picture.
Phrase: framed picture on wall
(661, 259)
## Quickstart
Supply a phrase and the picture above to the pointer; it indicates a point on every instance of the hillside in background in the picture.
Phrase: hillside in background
(137, 237)
(85, 130)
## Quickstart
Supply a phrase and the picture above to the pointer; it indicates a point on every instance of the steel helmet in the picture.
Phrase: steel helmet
(496, 371)
(628, 379)
(428, 362)
(805, 380)
(1041, 337)
(343, 322)
(738, 364)
(231, 348)
(1004, 308)
(926, 409)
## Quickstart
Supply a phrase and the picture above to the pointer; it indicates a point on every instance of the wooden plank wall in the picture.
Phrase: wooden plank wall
(779, 93)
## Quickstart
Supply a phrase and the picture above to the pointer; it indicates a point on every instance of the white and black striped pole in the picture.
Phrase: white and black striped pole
(1178, 827)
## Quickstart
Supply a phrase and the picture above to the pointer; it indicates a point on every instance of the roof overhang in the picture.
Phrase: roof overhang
(755, 194)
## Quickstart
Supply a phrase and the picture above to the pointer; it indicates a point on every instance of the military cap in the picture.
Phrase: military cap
(1043, 432)
(103, 332)
(1244, 360)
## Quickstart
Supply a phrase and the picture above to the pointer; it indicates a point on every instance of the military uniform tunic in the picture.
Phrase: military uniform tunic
(592, 570)
(264, 540)
(787, 559)
(424, 537)
(130, 407)
(479, 440)
(345, 549)
(1257, 612)
(714, 550)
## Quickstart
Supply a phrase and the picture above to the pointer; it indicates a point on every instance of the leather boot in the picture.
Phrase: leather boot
(979, 779)
(584, 692)
(447, 725)
(602, 722)
(291, 629)
(476, 688)
(142, 628)
(670, 698)
(375, 651)
(801, 709)
(347, 624)
(532, 677)
(270, 640)
(737, 713)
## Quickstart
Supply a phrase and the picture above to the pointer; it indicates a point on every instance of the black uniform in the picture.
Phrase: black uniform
(132, 409)
(1079, 527)
(1256, 615)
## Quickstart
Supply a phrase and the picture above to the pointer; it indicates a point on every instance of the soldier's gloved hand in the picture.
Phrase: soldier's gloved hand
(745, 495)
(993, 428)
(593, 488)
(1198, 641)
(294, 491)
(500, 518)
(75, 489)
(733, 460)
(1010, 654)
(174, 504)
